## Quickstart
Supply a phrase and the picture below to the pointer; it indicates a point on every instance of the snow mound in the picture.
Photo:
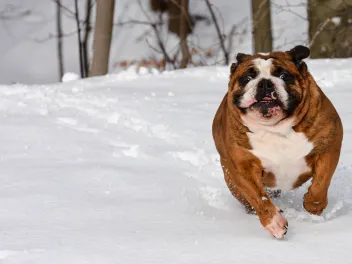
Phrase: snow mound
(70, 76)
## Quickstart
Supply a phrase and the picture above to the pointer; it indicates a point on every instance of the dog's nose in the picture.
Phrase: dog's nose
(266, 85)
(265, 88)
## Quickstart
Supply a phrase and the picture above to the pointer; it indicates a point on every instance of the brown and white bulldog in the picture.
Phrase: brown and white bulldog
(276, 129)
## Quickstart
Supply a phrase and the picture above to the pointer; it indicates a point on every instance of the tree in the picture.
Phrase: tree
(330, 28)
(59, 39)
(82, 26)
(184, 31)
(79, 40)
(87, 31)
(180, 24)
(102, 37)
(159, 5)
(261, 23)
(220, 36)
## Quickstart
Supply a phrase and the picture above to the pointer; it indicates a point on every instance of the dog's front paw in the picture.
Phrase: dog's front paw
(278, 225)
(314, 206)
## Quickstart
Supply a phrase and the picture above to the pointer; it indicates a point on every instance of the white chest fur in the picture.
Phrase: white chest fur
(282, 151)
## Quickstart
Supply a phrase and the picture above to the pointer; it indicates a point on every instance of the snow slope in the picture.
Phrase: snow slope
(123, 169)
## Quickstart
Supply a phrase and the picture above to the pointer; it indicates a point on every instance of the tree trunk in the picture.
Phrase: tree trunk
(330, 28)
(174, 17)
(261, 23)
(184, 25)
(158, 5)
(102, 37)
(59, 39)
(87, 32)
(79, 39)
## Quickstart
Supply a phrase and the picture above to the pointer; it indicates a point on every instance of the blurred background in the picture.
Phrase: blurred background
(46, 41)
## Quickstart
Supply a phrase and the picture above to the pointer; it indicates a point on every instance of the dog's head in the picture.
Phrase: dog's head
(269, 87)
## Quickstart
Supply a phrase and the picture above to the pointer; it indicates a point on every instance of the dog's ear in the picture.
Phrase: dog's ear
(299, 53)
(240, 57)
(233, 68)
(303, 68)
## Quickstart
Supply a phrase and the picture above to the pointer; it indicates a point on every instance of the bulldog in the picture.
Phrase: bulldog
(275, 129)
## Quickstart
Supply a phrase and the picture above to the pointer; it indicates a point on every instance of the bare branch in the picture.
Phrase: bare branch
(320, 29)
(157, 34)
(229, 37)
(226, 54)
(12, 12)
(289, 10)
(58, 2)
(138, 22)
(52, 36)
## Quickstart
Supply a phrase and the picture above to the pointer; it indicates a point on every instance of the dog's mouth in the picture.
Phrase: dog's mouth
(268, 106)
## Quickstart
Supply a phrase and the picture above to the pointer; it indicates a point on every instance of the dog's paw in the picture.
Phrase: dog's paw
(278, 225)
(314, 206)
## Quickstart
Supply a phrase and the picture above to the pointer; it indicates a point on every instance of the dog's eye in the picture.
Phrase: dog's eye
(283, 76)
(247, 79)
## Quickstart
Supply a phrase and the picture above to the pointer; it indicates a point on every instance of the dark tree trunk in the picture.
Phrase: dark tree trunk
(87, 32)
(174, 17)
(59, 39)
(330, 28)
(184, 30)
(261, 23)
(79, 39)
(158, 5)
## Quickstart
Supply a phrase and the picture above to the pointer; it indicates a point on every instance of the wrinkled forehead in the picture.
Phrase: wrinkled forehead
(264, 65)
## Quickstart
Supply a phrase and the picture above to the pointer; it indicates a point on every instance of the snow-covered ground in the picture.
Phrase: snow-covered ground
(123, 169)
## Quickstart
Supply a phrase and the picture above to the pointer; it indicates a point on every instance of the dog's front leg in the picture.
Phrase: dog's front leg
(316, 199)
(246, 171)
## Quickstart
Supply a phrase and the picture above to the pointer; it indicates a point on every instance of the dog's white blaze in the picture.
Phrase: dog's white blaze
(264, 68)
(281, 150)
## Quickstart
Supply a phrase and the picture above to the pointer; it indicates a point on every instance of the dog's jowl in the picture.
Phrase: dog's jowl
(274, 130)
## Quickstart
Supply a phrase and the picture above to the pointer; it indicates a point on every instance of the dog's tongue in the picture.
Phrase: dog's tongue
(267, 98)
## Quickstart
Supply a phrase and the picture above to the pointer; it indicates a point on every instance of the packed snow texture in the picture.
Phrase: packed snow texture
(123, 169)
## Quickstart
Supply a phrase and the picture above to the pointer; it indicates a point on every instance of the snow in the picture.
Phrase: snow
(93, 172)
(336, 20)
(70, 76)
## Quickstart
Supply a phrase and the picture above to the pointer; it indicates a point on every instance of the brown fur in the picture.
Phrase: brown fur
(315, 116)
